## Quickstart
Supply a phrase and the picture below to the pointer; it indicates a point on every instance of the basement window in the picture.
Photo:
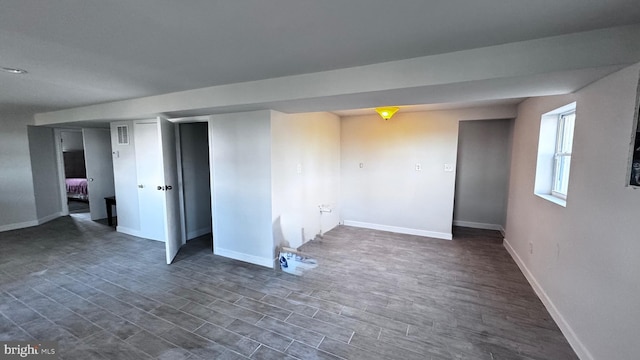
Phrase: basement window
(554, 154)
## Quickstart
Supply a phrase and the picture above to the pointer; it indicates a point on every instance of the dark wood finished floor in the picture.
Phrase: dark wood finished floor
(374, 295)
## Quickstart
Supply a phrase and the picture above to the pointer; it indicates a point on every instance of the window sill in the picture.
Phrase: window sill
(553, 199)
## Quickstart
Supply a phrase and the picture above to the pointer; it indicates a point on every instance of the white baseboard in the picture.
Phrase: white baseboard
(49, 218)
(477, 225)
(133, 232)
(400, 230)
(564, 326)
(31, 223)
(197, 233)
(17, 226)
(266, 262)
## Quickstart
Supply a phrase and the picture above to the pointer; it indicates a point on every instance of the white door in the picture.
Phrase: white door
(172, 228)
(99, 165)
(151, 201)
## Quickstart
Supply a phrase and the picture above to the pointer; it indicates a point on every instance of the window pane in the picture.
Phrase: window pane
(554, 153)
(568, 124)
(561, 174)
(557, 174)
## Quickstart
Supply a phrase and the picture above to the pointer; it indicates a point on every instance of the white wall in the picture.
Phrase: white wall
(44, 168)
(482, 178)
(305, 173)
(17, 200)
(388, 193)
(585, 256)
(241, 173)
(194, 150)
(125, 181)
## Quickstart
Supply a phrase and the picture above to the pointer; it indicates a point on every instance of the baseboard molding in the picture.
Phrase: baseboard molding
(477, 225)
(564, 326)
(266, 262)
(49, 218)
(133, 232)
(27, 224)
(400, 230)
(197, 233)
(17, 226)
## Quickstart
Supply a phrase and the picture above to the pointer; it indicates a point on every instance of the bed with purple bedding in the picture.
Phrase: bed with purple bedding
(77, 188)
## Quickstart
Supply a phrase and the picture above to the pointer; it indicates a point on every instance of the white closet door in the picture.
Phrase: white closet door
(151, 201)
(173, 230)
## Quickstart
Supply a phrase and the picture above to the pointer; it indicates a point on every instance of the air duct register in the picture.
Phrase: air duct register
(123, 134)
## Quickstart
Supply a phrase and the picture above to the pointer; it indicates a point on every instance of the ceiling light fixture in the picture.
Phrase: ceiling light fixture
(13, 70)
(387, 112)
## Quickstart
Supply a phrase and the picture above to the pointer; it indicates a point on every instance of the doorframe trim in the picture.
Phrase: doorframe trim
(183, 216)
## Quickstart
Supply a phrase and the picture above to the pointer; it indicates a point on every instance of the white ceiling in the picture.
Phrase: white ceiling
(81, 52)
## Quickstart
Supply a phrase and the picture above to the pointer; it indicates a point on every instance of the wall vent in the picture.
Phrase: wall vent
(123, 134)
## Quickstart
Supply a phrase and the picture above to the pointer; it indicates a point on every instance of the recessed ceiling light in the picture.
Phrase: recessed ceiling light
(13, 70)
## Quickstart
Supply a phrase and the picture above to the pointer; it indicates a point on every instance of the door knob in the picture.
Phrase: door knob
(160, 187)
(169, 187)
(140, 186)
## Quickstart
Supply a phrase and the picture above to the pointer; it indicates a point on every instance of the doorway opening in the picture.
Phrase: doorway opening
(85, 168)
(194, 178)
(482, 177)
(75, 171)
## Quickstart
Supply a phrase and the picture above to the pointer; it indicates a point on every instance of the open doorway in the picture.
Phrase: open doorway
(86, 171)
(195, 182)
(75, 171)
(482, 177)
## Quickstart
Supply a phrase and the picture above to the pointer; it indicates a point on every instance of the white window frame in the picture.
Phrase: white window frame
(551, 152)
(562, 157)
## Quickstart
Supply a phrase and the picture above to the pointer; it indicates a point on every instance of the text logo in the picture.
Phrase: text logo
(28, 350)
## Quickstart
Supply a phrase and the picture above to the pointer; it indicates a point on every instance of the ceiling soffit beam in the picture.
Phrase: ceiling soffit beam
(474, 91)
(592, 49)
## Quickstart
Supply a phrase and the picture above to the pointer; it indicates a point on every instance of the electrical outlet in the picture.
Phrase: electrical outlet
(361, 165)
(418, 167)
(448, 167)
(299, 168)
